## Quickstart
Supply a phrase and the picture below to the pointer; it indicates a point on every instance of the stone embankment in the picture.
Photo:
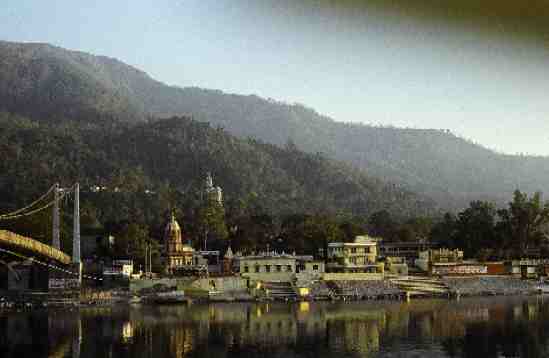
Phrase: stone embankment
(318, 290)
(231, 297)
(489, 285)
(371, 289)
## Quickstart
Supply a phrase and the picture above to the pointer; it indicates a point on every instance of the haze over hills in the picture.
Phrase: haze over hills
(50, 83)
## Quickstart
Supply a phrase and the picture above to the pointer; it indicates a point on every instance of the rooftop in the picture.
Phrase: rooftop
(270, 255)
(361, 240)
(352, 244)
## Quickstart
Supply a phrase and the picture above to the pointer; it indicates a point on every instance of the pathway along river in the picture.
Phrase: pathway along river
(475, 327)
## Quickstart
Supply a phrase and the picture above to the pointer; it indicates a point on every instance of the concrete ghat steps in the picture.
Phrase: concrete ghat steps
(419, 286)
(279, 290)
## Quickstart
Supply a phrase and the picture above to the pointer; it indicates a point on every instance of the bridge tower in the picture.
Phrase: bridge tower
(55, 225)
(77, 264)
(76, 226)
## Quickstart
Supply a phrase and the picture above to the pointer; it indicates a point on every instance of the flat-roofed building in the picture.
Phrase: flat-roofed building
(268, 267)
(438, 257)
(396, 266)
(359, 256)
(119, 268)
(213, 260)
(272, 266)
(407, 250)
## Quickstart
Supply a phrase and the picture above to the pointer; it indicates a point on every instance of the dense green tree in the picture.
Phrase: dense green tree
(524, 223)
(352, 227)
(444, 232)
(381, 224)
(413, 229)
(131, 242)
(475, 228)
(309, 233)
(211, 222)
(320, 229)
(254, 233)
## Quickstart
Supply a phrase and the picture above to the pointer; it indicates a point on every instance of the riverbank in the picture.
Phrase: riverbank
(386, 289)
(360, 290)
(489, 286)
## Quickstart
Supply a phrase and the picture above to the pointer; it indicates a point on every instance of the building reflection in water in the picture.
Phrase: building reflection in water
(77, 338)
(466, 328)
(127, 331)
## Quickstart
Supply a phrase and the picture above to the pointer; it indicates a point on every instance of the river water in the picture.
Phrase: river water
(479, 327)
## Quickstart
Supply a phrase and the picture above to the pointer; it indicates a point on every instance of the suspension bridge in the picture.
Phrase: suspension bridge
(29, 264)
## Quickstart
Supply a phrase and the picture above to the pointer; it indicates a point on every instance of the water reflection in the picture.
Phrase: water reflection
(495, 327)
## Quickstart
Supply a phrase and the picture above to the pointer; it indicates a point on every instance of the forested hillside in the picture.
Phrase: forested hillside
(50, 83)
(170, 158)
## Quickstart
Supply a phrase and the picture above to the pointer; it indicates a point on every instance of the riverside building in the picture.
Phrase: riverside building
(359, 256)
(282, 267)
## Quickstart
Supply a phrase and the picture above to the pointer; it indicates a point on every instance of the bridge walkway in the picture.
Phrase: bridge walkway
(18, 243)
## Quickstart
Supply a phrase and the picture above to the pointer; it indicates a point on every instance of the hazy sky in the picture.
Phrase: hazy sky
(481, 71)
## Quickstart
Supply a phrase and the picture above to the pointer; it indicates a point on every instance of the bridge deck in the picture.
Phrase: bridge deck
(8, 238)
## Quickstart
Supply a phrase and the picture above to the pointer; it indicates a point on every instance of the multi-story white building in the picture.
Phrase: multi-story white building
(359, 256)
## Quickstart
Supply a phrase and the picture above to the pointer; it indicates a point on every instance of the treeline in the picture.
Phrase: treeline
(482, 230)
(486, 232)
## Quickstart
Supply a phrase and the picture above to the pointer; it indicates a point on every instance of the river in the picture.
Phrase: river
(474, 327)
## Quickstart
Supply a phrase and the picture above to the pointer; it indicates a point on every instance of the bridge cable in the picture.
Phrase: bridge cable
(30, 205)
(65, 193)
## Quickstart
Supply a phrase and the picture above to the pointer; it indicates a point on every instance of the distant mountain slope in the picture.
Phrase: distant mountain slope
(43, 81)
(177, 152)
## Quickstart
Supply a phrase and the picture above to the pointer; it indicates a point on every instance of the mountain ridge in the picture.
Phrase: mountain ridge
(432, 162)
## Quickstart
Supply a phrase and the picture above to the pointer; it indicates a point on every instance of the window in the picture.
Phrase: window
(315, 267)
(246, 269)
(256, 268)
(278, 268)
(267, 268)
(289, 268)
(353, 250)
